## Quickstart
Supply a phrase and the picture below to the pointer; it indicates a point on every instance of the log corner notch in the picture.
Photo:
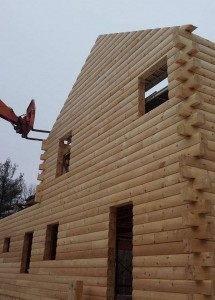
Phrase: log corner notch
(196, 181)
(75, 290)
(42, 167)
(43, 157)
(188, 27)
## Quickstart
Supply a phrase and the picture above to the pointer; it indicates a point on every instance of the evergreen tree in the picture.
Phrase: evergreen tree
(10, 188)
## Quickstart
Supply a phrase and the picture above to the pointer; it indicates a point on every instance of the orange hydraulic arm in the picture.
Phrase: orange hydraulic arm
(22, 124)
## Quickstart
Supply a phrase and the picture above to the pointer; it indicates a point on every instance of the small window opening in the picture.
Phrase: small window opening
(153, 87)
(51, 242)
(26, 252)
(6, 246)
(64, 156)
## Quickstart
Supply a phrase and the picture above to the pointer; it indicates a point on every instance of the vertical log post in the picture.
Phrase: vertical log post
(75, 290)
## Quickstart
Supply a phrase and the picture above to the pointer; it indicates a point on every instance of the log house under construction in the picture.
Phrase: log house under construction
(125, 207)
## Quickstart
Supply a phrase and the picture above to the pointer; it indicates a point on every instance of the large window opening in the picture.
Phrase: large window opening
(51, 242)
(153, 87)
(6, 245)
(63, 160)
(120, 253)
(26, 252)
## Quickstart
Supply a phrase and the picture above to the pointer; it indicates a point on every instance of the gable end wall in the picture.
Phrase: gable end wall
(161, 162)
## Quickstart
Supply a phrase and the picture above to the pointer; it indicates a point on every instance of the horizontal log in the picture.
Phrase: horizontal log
(151, 295)
(166, 273)
(118, 82)
(100, 281)
(34, 291)
(94, 272)
(78, 263)
(159, 249)
(203, 259)
(78, 254)
(21, 294)
(206, 287)
(161, 214)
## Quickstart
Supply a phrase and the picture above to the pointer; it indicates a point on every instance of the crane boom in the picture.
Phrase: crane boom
(7, 113)
(22, 124)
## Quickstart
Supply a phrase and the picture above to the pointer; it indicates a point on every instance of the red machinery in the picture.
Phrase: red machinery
(22, 124)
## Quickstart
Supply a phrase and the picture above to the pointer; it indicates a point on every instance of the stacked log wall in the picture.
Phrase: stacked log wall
(184, 257)
(119, 157)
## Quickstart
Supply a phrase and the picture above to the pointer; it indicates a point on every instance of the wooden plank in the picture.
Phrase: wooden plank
(116, 158)
(75, 290)
(175, 260)
(205, 288)
(151, 295)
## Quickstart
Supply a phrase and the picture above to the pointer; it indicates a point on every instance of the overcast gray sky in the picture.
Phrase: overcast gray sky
(44, 43)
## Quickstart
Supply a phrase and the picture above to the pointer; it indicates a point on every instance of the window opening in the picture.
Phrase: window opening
(64, 155)
(51, 242)
(6, 246)
(26, 252)
(153, 87)
(120, 253)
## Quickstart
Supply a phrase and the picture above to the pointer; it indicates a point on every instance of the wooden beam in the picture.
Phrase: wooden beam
(75, 290)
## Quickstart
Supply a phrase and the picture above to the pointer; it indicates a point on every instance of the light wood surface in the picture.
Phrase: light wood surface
(162, 162)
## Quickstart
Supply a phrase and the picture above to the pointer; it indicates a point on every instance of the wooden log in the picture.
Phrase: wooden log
(75, 290)
(179, 90)
(153, 37)
(185, 45)
(162, 249)
(156, 204)
(21, 294)
(179, 58)
(73, 149)
(204, 44)
(196, 246)
(122, 161)
(167, 273)
(173, 210)
(123, 72)
(105, 54)
(44, 145)
(79, 195)
(78, 263)
(114, 148)
(91, 272)
(206, 90)
(205, 58)
(201, 179)
(205, 287)
(34, 284)
(169, 236)
(93, 281)
(157, 295)
(183, 73)
(192, 219)
(175, 260)
(186, 109)
(158, 226)
(65, 254)
(34, 291)
(197, 119)
(102, 226)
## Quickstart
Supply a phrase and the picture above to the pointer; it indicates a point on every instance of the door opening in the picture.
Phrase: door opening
(26, 252)
(120, 253)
